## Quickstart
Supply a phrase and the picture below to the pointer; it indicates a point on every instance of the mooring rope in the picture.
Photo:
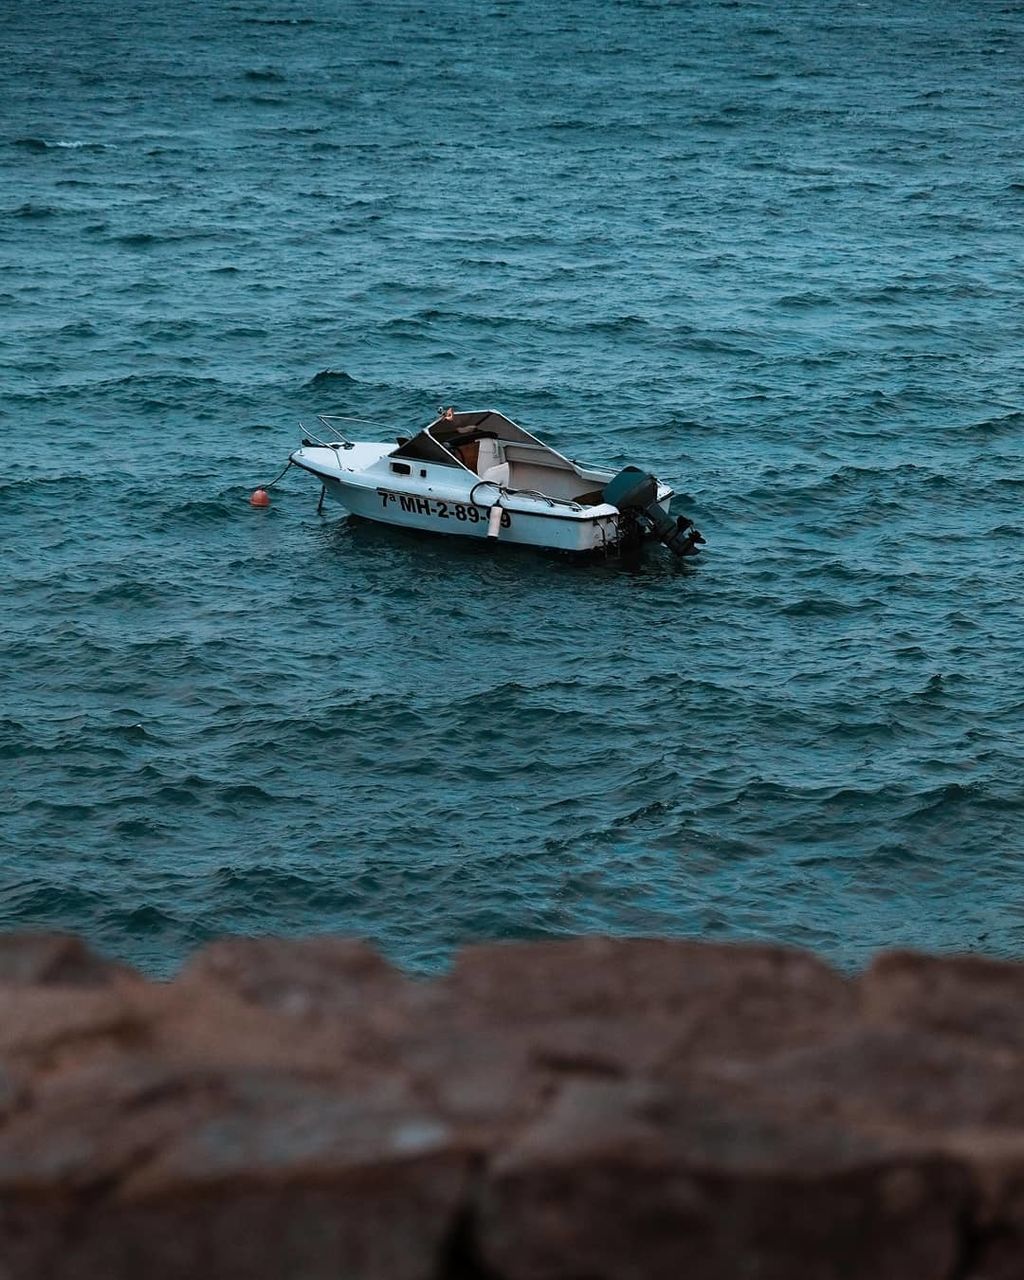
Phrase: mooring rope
(278, 477)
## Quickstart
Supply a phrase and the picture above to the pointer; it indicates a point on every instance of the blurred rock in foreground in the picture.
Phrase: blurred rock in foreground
(635, 1110)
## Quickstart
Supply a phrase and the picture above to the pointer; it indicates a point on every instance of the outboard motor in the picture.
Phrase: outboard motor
(635, 493)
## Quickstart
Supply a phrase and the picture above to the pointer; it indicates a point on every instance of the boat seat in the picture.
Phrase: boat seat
(467, 453)
(592, 498)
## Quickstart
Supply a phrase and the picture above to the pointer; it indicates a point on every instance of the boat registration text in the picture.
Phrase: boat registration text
(466, 512)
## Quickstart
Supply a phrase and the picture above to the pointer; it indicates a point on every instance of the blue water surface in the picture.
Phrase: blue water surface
(772, 251)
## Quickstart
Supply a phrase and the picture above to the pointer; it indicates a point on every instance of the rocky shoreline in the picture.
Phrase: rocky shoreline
(587, 1109)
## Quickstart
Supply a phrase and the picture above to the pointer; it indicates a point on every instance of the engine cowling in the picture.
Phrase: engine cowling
(635, 493)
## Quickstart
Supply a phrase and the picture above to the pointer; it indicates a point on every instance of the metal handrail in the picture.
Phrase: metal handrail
(328, 418)
(327, 444)
(535, 493)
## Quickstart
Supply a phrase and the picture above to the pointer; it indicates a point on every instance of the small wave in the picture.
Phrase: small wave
(935, 688)
(37, 903)
(851, 476)
(867, 731)
(268, 883)
(946, 801)
(245, 331)
(147, 239)
(142, 919)
(205, 511)
(803, 301)
(130, 592)
(171, 387)
(331, 377)
(35, 211)
(166, 328)
(135, 732)
(1008, 422)
(247, 792)
(78, 329)
(725, 119)
(42, 144)
(619, 324)
(186, 792)
(63, 810)
(824, 607)
(264, 75)
(72, 487)
(884, 293)
(279, 22)
(140, 828)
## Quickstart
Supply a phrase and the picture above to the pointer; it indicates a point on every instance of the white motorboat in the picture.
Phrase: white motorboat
(479, 475)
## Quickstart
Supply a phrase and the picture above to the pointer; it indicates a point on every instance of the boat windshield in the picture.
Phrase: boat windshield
(443, 441)
(424, 448)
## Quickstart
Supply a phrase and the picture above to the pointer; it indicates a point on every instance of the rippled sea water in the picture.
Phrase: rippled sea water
(773, 252)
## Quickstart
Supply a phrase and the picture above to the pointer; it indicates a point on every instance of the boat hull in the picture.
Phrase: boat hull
(568, 531)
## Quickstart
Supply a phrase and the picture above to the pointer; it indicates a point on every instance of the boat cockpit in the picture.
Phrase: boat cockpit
(494, 449)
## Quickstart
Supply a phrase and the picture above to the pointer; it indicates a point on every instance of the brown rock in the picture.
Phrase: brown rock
(603, 1008)
(595, 977)
(42, 1024)
(588, 1109)
(318, 977)
(625, 1183)
(223, 1174)
(55, 959)
(974, 997)
(881, 1077)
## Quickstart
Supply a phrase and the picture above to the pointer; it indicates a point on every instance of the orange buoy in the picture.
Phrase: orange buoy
(259, 498)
